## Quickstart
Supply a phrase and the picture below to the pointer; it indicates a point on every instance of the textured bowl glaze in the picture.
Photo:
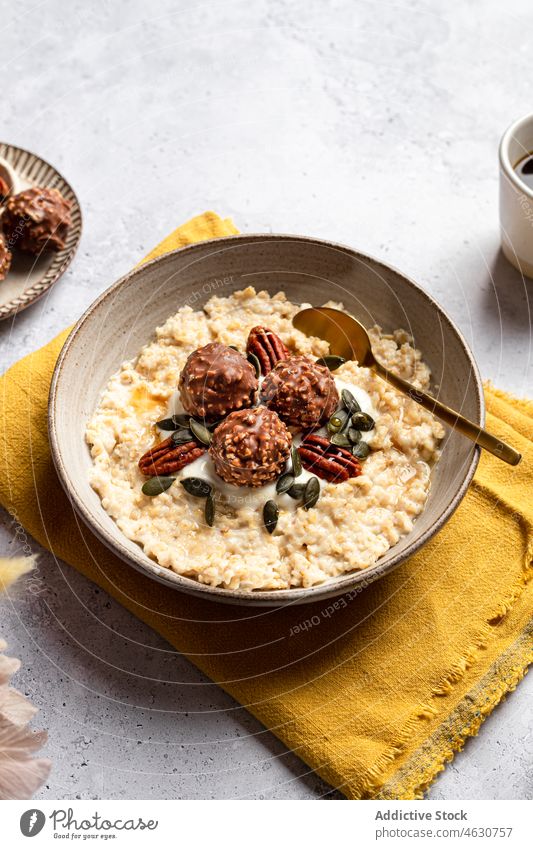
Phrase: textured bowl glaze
(124, 318)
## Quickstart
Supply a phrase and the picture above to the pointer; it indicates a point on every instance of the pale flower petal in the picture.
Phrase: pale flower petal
(20, 779)
(8, 667)
(12, 568)
(20, 774)
(17, 742)
(15, 707)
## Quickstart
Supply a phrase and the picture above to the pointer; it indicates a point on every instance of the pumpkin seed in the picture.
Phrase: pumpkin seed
(332, 361)
(209, 511)
(270, 516)
(179, 437)
(297, 491)
(200, 432)
(349, 402)
(311, 493)
(174, 422)
(354, 435)
(256, 364)
(362, 421)
(361, 450)
(234, 347)
(296, 462)
(340, 439)
(196, 486)
(337, 421)
(284, 483)
(157, 485)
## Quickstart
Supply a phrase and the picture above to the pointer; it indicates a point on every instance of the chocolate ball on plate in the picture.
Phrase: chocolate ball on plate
(250, 447)
(37, 219)
(5, 258)
(301, 392)
(215, 381)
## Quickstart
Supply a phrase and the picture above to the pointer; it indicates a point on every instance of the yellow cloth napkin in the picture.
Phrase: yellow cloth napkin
(376, 691)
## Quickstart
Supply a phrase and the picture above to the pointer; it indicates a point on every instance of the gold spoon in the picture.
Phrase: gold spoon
(349, 339)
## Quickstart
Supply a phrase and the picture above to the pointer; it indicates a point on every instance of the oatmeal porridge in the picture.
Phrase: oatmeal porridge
(235, 451)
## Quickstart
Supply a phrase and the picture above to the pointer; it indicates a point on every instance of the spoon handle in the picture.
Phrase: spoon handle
(469, 429)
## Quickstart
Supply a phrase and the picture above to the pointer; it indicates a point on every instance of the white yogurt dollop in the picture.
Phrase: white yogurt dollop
(363, 399)
(249, 496)
(174, 408)
(242, 496)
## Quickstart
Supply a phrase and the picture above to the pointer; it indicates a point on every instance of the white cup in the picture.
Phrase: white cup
(516, 199)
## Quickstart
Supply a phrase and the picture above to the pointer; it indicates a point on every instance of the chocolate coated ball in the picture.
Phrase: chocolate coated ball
(250, 447)
(215, 381)
(5, 258)
(301, 392)
(37, 219)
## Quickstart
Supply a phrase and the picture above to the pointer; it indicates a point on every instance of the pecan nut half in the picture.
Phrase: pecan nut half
(331, 462)
(167, 457)
(267, 347)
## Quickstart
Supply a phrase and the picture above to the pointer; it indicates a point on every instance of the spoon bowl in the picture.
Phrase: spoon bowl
(346, 336)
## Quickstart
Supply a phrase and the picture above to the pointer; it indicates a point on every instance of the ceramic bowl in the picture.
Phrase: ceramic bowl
(123, 319)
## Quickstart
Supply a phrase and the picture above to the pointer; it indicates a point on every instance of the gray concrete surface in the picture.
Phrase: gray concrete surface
(374, 124)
